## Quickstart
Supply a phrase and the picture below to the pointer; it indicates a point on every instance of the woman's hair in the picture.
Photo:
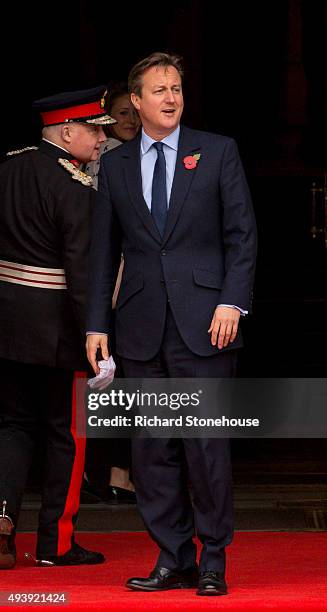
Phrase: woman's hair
(115, 89)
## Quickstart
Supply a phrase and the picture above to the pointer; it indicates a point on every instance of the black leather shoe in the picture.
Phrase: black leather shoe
(212, 583)
(75, 556)
(89, 495)
(163, 579)
(7, 542)
(117, 495)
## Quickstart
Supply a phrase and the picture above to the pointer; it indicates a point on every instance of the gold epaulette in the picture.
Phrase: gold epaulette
(77, 174)
(21, 150)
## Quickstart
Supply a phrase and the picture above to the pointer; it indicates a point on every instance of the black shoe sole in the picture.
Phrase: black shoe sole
(87, 498)
(69, 563)
(210, 592)
(167, 588)
(78, 563)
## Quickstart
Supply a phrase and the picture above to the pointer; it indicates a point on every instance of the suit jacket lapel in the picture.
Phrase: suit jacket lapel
(183, 177)
(132, 170)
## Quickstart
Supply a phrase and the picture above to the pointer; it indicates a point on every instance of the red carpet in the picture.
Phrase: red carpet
(266, 571)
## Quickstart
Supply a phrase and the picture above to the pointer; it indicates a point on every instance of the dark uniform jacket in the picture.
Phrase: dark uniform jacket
(205, 258)
(44, 223)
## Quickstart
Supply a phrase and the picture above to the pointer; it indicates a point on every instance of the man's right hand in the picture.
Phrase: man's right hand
(93, 343)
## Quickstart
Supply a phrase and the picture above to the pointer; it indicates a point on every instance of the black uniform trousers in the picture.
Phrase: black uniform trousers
(36, 401)
(163, 468)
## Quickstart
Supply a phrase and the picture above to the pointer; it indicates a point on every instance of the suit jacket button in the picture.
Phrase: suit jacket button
(162, 280)
(163, 252)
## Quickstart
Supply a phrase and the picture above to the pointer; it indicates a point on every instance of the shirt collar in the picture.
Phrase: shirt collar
(171, 140)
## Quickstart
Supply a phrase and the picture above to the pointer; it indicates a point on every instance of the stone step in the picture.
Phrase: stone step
(257, 507)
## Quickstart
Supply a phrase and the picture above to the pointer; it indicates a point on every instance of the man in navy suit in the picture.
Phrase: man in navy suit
(176, 203)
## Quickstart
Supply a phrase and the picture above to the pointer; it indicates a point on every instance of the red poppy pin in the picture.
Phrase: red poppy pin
(191, 161)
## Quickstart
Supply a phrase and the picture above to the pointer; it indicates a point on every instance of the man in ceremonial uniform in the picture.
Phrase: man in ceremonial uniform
(44, 240)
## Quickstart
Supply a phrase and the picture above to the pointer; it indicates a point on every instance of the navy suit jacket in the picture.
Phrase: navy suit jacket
(206, 256)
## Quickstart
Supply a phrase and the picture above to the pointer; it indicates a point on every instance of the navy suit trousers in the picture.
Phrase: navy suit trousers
(184, 486)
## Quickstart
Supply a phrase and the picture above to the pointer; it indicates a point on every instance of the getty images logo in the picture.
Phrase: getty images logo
(141, 399)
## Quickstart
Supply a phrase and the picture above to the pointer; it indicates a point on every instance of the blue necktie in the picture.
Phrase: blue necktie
(159, 190)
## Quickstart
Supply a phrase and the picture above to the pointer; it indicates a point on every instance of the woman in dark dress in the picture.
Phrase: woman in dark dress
(108, 461)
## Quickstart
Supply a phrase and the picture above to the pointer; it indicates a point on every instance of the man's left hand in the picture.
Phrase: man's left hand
(224, 326)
